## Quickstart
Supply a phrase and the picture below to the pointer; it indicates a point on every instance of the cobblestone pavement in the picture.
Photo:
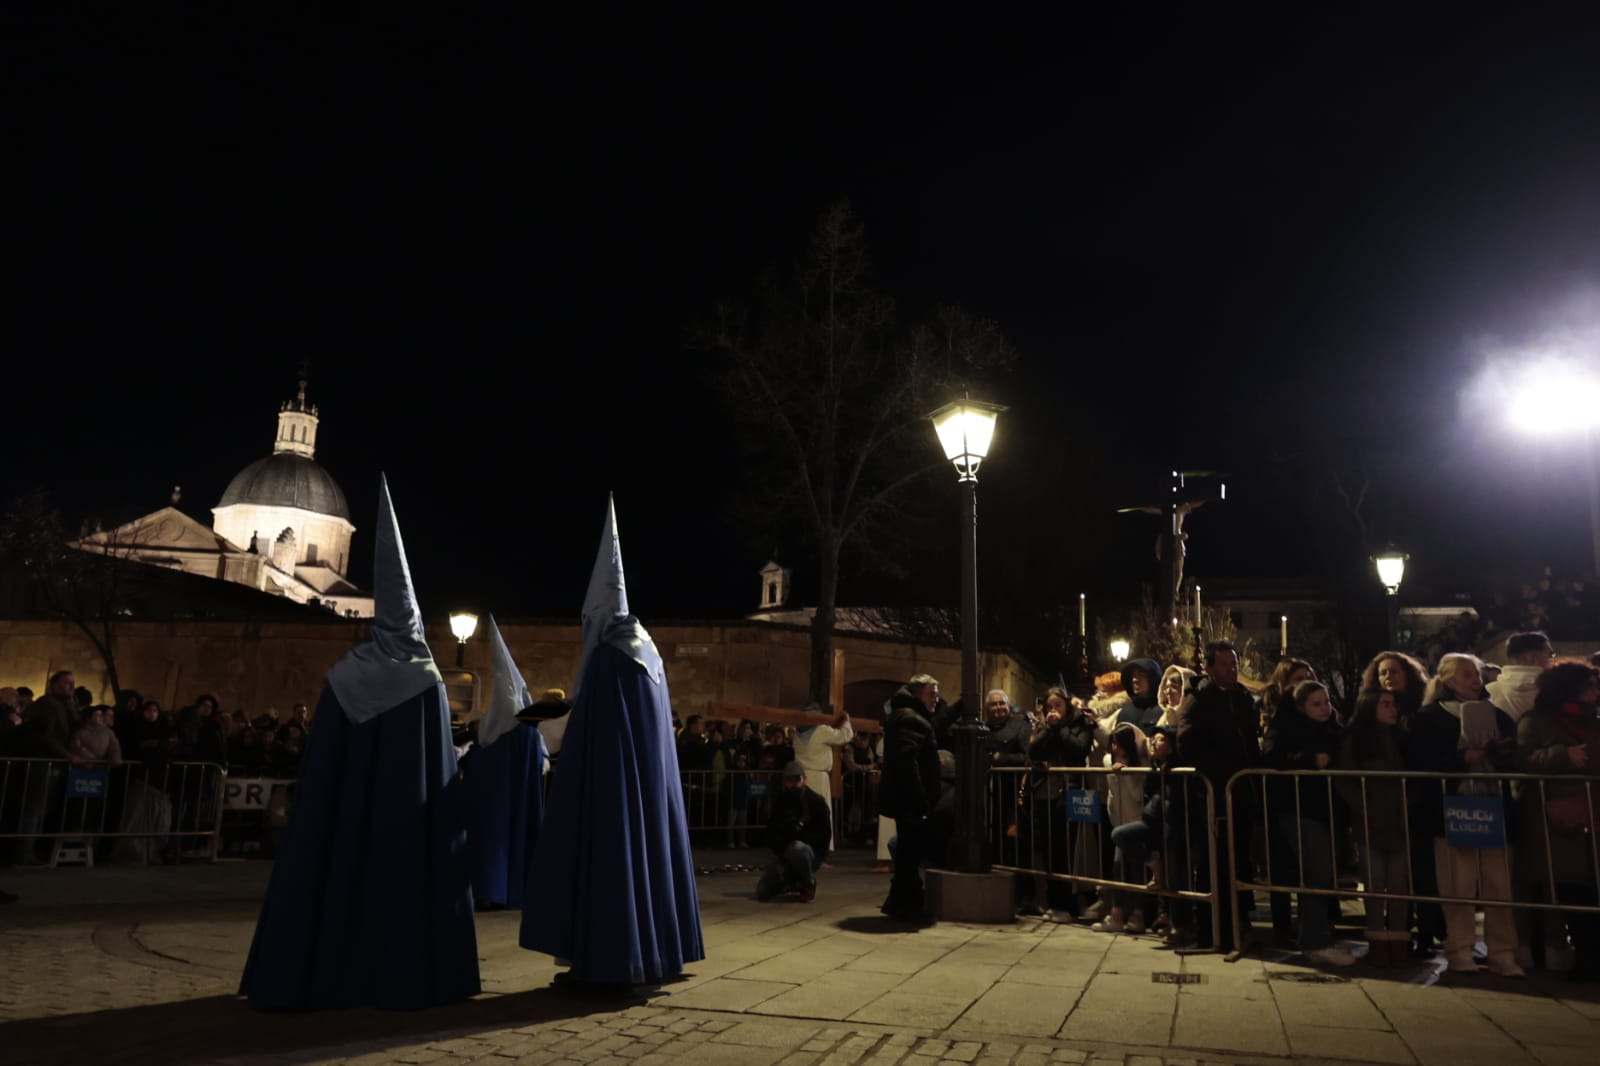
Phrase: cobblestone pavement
(118, 970)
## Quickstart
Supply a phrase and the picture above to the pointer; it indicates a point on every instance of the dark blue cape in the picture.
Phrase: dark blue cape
(370, 902)
(504, 798)
(615, 889)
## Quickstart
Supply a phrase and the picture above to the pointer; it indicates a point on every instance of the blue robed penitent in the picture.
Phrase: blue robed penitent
(369, 902)
(615, 891)
(504, 794)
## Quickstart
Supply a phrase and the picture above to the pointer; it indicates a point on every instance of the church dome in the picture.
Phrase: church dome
(284, 479)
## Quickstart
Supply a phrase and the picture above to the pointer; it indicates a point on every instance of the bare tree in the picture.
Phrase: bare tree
(832, 394)
(80, 579)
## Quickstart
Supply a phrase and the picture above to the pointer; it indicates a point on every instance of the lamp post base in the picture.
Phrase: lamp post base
(989, 898)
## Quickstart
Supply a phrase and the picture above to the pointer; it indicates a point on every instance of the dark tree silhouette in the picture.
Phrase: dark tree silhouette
(832, 395)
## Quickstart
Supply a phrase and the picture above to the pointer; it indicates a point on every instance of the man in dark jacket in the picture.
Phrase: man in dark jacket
(799, 833)
(1217, 738)
(1007, 741)
(909, 789)
(49, 721)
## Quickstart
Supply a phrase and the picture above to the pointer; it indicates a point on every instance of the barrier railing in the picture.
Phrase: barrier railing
(151, 811)
(1481, 813)
(731, 808)
(1056, 825)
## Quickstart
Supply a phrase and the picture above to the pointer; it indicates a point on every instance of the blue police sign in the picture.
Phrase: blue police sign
(1474, 822)
(1083, 805)
(87, 784)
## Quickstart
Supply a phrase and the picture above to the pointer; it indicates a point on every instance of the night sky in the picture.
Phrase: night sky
(1280, 245)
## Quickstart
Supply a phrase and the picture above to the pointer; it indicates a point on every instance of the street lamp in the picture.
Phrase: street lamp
(1391, 564)
(1119, 650)
(966, 429)
(463, 624)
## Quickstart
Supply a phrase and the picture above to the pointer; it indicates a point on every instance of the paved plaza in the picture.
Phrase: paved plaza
(140, 965)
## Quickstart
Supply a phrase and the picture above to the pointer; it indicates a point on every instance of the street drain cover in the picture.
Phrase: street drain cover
(1178, 978)
(1310, 978)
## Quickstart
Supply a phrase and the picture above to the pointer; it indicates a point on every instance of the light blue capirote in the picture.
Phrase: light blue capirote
(393, 664)
(508, 692)
(605, 609)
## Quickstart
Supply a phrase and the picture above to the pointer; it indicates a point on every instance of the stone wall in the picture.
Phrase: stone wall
(254, 666)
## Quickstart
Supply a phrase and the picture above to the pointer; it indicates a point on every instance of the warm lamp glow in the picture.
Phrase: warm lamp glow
(463, 624)
(1119, 650)
(966, 429)
(1391, 566)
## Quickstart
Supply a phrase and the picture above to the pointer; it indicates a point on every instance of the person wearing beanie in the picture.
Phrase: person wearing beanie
(798, 833)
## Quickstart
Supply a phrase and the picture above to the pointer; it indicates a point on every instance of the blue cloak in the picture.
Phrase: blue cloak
(370, 902)
(504, 795)
(615, 893)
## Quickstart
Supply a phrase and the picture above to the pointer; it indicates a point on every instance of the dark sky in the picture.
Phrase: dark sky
(1276, 243)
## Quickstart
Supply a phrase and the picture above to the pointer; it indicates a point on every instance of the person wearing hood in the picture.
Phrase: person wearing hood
(908, 790)
(1174, 695)
(1141, 680)
(1447, 739)
(1518, 685)
(615, 894)
(815, 747)
(370, 901)
(1066, 739)
(502, 785)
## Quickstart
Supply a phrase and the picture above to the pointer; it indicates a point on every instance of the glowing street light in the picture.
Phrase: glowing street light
(966, 429)
(1119, 650)
(1562, 398)
(1391, 566)
(463, 624)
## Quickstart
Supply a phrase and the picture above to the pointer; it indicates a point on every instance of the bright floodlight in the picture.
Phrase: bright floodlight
(1119, 649)
(965, 430)
(1561, 398)
(463, 624)
(1391, 566)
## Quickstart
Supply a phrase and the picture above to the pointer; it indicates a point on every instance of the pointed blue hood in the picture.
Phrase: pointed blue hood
(393, 664)
(508, 694)
(605, 609)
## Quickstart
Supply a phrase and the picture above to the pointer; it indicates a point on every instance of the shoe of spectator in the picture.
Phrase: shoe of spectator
(1462, 963)
(808, 892)
(1505, 966)
(1180, 938)
(1558, 958)
(1030, 910)
(1135, 924)
(1094, 912)
(1062, 915)
(1108, 924)
(1331, 956)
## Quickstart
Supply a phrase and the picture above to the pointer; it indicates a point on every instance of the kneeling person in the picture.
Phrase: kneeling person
(798, 835)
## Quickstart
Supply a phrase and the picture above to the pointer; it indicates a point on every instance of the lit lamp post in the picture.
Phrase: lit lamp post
(463, 624)
(1391, 566)
(1119, 650)
(965, 430)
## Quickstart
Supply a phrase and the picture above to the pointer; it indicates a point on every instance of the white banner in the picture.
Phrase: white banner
(250, 793)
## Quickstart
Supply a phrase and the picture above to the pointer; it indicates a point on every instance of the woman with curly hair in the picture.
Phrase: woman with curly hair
(1560, 736)
(1399, 673)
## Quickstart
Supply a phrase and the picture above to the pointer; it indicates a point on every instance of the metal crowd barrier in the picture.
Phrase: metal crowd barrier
(1056, 825)
(150, 810)
(731, 808)
(1482, 812)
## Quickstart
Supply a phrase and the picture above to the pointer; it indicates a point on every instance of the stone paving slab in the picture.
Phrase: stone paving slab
(153, 979)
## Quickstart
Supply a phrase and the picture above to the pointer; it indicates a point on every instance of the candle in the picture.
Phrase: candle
(1197, 606)
(1083, 628)
(1283, 634)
